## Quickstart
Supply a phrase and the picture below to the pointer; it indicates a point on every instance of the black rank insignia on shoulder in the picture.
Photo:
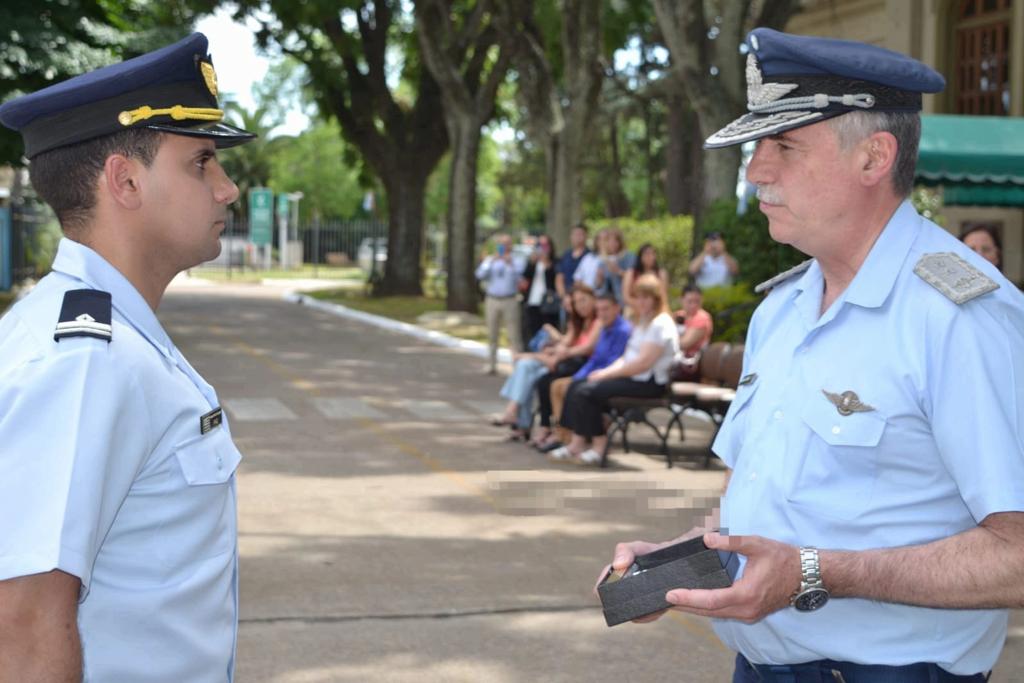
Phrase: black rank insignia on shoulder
(85, 313)
(210, 420)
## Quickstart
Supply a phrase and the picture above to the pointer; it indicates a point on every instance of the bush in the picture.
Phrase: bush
(731, 308)
(670, 235)
(747, 239)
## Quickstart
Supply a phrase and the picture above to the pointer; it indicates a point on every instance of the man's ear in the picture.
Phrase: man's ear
(879, 156)
(122, 181)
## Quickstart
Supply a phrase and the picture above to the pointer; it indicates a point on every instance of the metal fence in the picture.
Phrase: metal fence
(330, 243)
(34, 235)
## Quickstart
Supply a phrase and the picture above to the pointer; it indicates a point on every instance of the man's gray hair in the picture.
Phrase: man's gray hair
(853, 127)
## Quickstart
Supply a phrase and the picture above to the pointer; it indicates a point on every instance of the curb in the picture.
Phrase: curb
(470, 347)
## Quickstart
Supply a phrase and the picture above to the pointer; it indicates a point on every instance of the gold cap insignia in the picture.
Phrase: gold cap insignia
(210, 76)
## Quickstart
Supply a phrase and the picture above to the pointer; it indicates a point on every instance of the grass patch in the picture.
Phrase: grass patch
(406, 309)
(307, 271)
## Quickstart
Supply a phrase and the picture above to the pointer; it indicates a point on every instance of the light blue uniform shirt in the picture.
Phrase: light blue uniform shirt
(104, 474)
(941, 450)
(501, 276)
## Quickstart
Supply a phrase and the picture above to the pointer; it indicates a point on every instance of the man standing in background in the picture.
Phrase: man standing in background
(500, 276)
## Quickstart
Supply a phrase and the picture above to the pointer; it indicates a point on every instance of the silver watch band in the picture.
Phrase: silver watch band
(810, 568)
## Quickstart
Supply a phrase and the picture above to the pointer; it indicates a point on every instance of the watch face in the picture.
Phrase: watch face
(811, 599)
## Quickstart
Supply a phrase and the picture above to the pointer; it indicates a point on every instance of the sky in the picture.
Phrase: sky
(239, 66)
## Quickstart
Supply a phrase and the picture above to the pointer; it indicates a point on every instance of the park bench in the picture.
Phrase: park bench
(720, 367)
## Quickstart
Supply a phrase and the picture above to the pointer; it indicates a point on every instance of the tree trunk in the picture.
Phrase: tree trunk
(616, 201)
(678, 194)
(464, 135)
(403, 272)
(565, 201)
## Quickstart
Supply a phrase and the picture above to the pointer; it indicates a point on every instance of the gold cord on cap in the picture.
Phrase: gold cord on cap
(177, 112)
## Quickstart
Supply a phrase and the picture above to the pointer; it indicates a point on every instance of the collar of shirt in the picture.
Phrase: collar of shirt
(875, 278)
(80, 262)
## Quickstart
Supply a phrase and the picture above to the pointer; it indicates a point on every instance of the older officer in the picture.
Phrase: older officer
(117, 488)
(875, 446)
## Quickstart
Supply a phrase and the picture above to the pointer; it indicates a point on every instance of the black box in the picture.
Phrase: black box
(641, 590)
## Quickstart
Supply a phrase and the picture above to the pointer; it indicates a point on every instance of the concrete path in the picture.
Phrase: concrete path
(387, 534)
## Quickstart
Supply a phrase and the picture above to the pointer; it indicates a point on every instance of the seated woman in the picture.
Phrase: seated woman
(695, 328)
(646, 262)
(641, 371)
(565, 356)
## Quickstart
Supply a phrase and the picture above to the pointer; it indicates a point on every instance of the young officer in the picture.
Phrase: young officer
(874, 444)
(118, 540)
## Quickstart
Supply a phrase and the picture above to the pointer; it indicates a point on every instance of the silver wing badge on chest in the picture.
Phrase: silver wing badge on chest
(847, 403)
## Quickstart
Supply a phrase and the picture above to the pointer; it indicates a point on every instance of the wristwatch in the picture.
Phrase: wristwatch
(812, 594)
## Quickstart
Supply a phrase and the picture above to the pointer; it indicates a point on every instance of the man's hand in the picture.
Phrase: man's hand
(771, 575)
(625, 554)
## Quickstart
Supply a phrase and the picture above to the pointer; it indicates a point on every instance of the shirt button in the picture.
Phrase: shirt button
(836, 430)
(778, 414)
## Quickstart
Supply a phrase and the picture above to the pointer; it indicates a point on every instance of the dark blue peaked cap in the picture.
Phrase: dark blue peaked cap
(173, 89)
(794, 81)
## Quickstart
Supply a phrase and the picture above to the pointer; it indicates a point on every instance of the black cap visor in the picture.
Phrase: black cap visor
(223, 134)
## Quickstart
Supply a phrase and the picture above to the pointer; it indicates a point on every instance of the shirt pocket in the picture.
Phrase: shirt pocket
(839, 467)
(208, 459)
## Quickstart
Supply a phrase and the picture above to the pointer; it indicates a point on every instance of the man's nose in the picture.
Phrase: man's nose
(759, 168)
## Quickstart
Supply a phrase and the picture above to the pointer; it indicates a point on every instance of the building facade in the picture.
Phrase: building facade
(978, 45)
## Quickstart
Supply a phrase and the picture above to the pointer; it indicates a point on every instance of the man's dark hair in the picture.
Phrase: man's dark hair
(65, 177)
(582, 226)
(608, 295)
(690, 288)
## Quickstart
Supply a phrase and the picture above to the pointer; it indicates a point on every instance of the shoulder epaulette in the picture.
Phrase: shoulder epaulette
(84, 313)
(957, 279)
(773, 282)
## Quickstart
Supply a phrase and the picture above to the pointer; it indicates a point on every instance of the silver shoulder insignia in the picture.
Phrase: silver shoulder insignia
(957, 279)
(771, 283)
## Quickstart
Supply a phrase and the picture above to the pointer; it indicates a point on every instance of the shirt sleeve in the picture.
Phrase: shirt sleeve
(975, 400)
(75, 433)
(483, 271)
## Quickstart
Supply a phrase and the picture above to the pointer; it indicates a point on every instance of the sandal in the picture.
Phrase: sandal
(541, 439)
(550, 446)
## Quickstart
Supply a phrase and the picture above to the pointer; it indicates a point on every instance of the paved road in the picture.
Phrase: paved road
(387, 535)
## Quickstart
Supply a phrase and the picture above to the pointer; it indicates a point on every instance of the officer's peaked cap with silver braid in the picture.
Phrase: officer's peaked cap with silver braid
(794, 81)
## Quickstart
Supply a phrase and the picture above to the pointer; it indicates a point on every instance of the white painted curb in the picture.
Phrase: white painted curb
(433, 336)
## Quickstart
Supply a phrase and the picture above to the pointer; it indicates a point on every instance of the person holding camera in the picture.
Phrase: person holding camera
(501, 278)
(714, 266)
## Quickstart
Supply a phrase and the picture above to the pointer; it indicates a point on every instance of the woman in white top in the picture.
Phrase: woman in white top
(641, 371)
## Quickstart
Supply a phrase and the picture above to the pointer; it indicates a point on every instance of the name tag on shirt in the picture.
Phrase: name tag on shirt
(211, 420)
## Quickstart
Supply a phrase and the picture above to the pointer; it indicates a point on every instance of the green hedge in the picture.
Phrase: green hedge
(670, 235)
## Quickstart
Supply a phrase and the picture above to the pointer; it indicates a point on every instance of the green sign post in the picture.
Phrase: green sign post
(261, 215)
